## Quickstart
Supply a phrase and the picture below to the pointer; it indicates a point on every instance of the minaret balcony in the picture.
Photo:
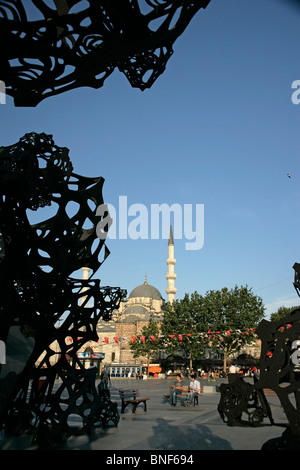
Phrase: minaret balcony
(170, 290)
(171, 276)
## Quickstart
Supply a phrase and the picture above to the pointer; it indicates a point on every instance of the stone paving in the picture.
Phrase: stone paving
(166, 428)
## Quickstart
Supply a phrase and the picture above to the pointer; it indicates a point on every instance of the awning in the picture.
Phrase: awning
(155, 369)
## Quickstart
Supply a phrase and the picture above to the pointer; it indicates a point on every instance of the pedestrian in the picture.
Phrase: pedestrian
(255, 374)
(105, 383)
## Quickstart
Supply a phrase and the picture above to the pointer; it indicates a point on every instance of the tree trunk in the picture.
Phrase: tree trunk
(191, 362)
(148, 363)
(225, 361)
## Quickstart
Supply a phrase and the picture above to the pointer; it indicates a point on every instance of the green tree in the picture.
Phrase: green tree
(182, 323)
(147, 344)
(233, 314)
(281, 312)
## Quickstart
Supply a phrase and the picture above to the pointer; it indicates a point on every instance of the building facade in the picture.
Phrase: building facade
(144, 302)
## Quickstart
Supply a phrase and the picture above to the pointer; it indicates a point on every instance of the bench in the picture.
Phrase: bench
(132, 397)
(184, 393)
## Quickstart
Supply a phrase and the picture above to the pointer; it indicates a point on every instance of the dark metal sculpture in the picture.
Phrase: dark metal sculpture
(296, 268)
(52, 50)
(280, 371)
(39, 296)
(240, 398)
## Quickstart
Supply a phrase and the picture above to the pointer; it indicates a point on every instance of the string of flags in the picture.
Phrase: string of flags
(181, 337)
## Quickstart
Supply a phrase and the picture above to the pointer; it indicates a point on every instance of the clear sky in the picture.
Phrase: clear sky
(217, 128)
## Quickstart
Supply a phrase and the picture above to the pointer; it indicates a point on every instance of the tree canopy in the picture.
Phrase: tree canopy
(147, 344)
(224, 320)
(182, 323)
(282, 312)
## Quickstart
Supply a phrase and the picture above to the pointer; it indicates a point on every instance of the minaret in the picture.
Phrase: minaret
(171, 276)
(85, 273)
(85, 276)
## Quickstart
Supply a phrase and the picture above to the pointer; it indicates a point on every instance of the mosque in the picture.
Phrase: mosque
(144, 302)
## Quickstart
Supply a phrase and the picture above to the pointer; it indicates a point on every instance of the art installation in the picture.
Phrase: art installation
(280, 371)
(56, 47)
(75, 44)
(239, 399)
(279, 366)
(40, 297)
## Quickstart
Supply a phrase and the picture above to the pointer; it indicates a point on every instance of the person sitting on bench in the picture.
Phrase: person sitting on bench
(177, 389)
(194, 390)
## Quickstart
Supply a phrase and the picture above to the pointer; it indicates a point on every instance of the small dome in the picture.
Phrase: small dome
(135, 313)
(146, 290)
(136, 310)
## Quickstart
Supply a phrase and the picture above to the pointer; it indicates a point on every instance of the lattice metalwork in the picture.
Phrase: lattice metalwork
(280, 369)
(240, 399)
(75, 43)
(296, 268)
(38, 293)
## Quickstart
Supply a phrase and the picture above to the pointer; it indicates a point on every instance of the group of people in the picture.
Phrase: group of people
(181, 385)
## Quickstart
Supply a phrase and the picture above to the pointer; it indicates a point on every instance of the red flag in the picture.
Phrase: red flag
(171, 336)
(228, 332)
(152, 337)
(133, 339)
(180, 337)
(106, 340)
(143, 338)
(116, 339)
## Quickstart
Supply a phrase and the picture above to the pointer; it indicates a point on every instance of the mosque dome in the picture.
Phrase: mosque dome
(135, 311)
(145, 290)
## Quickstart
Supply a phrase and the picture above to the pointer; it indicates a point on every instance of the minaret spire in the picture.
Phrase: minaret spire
(171, 276)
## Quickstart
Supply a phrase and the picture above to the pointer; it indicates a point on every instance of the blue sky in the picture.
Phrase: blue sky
(217, 128)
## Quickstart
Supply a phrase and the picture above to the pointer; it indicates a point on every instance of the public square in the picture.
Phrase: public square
(149, 168)
(166, 428)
